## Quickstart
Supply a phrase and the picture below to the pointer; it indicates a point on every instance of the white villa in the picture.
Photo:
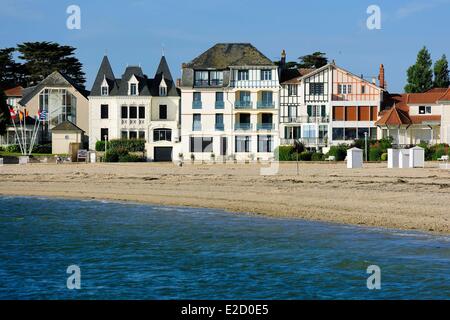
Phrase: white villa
(136, 107)
(229, 104)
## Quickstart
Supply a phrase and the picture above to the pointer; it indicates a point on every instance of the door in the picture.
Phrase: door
(161, 154)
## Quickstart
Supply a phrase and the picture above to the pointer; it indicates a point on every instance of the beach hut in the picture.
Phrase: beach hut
(416, 157)
(403, 159)
(354, 158)
(393, 158)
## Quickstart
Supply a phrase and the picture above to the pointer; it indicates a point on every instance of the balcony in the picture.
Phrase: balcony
(220, 127)
(265, 126)
(220, 104)
(304, 119)
(208, 83)
(196, 127)
(243, 104)
(266, 105)
(243, 126)
(196, 104)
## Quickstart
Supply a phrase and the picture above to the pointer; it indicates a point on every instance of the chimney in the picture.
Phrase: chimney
(283, 59)
(381, 77)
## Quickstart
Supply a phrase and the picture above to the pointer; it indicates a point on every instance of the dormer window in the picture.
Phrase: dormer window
(162, 88)
(133, 89)
(104, 90)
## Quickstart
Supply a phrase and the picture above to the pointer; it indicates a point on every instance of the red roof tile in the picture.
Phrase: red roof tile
(14, 92)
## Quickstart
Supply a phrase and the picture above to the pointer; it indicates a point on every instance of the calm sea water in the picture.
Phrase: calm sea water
(133, 251)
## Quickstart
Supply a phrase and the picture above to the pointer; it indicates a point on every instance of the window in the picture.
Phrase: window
(201, 144)
(133, 89)
(162, 135)
(104, 111)
(349, 89)
(323, 131)
(124, 112)
(361, 132)
(133, 134)
(242, 144)
(265, 143)
(196, 122)
(124, 134)
(267, 97)
(104, 134)
(425, 110)
(197, 100)
(363, 89)
(142, 135)
(344, 89)
(104, 90)
(242, 75)
(292, 89)
(316, 88)
(219, 100)
(162, 91)
(292, 112)
(201, 78)
(219, 121)
(338, 133)
(141, 112)
(315, 111)
(163, 112)
(350, 133)
(133, 112)
(266, 74)
(244, 96)
(292, 132)
(309, 131)
(216, 78)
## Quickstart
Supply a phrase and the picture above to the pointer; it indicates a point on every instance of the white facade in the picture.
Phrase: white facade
(239, 121)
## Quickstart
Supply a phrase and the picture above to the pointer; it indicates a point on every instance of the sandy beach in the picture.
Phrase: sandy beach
(413, 199)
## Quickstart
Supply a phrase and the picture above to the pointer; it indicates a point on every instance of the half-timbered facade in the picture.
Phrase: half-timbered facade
(327, 106)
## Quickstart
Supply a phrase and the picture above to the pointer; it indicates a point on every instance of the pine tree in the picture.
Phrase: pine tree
(11, 73)
(441, 73)
(43, 58)
(420, 75)
(313, 61)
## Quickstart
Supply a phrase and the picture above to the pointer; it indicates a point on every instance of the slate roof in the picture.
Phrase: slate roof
(56, 80)
(147, 87)
(66, 126)
(223, 55)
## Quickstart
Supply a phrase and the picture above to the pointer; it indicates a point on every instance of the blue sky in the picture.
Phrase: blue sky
(133, 32)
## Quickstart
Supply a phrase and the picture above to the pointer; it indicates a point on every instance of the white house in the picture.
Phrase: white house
(229, 104)
(136, 107)
(327, 106)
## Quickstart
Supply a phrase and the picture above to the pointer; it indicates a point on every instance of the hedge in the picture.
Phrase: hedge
(284, 153)
(318, 156)
(339, 152)
(375, 154)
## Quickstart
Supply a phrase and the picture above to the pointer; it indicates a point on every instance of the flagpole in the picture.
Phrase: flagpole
(15, 131)
(34, 135)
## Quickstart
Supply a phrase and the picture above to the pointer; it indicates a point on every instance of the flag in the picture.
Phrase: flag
(12, 113)
(20, 115)
(42, 115)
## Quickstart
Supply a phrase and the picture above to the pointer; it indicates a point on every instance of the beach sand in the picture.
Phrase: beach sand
(375, 196)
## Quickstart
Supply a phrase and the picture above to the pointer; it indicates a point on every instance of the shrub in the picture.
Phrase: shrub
(439, 150)
(14, 148)
(305, 156)
(113, 155)
(428, 151)
(386, 143)
(131, 158)
(318, 156)
(2, 149)
(285, 153)
(375, 154)
(132, 145)
(384, 156)
(339, 152)
(100, 146)
(43, 148)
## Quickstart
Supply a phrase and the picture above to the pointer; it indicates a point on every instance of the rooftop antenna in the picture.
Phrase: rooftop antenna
(162, 49)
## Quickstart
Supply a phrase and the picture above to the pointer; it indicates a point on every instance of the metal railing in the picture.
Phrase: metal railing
(196, 104)
(265, 126)
(265, 104)
(304, 119)
(220, 127)
(219, 104)
(243, 104)
(243, 126)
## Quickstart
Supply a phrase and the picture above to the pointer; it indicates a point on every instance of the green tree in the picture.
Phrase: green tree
(313, 61)
(43, 58)
(420, 75)
(5, 117)
(11, 72)
(441, 73)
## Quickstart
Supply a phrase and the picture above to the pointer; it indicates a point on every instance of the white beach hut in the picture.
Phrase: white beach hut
(416, 157)
(354, 158)
(393, 158)
(403, 159)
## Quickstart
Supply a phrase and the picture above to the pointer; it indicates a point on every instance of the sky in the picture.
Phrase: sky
(135, 32)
